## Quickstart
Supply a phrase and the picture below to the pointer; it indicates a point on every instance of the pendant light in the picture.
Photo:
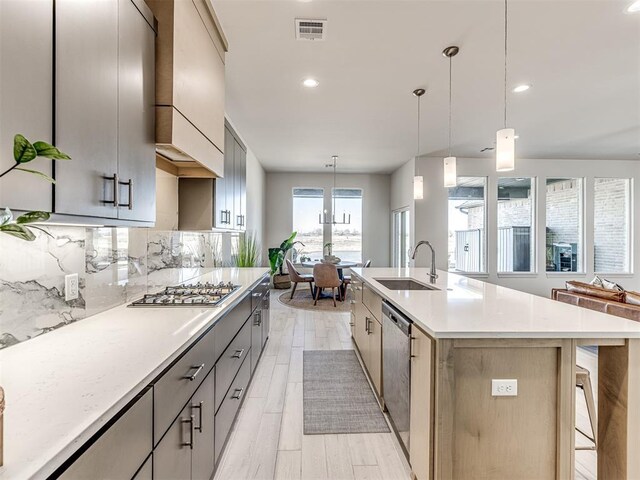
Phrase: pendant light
(323, 219)
(450, 174)
(505, 138)
(418, 180)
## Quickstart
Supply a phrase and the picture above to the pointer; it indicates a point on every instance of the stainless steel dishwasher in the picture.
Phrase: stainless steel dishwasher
(396, 370)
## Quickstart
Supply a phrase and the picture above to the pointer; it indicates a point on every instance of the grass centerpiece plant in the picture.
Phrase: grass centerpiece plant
(277, 255)
(247, 253)
(24, 152)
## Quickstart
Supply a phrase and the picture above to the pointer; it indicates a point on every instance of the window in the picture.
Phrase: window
(347, 238)
(516, 231)
(564, 224)
(467, 220)
(307, 203)
(401, 241)
(612, 225)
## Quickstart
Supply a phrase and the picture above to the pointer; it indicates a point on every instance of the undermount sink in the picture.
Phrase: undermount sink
(403, 284)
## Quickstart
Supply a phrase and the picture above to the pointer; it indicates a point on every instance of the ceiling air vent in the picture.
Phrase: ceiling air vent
(310, 29)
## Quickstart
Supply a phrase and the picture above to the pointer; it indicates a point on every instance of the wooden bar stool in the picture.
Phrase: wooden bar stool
(583, 381)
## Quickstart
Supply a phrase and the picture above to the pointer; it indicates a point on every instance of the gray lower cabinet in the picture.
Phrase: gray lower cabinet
(172, 456)
(256, 338)
(266, 316)
(230, 405)
(202, 406)
(229, 363)
(186, 450)
(122, 449)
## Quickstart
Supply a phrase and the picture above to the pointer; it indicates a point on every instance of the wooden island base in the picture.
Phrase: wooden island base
(476, 435)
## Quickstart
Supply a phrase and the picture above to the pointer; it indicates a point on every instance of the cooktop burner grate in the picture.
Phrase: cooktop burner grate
(191, 295)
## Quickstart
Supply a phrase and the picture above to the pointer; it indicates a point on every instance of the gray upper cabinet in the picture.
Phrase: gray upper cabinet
(25, 96)
(104, 109)
(86, 107)
(136, 112)
(230, 191)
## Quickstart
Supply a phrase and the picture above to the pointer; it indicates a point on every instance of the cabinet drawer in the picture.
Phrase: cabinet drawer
(120, 451)
(227, 327)
(177, 385)
(230, 405)
(258, 293)
(372, 301)
(229, 363)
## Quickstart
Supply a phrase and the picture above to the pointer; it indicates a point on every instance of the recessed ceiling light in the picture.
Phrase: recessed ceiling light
(634, 7)
(522, 88)
(310, 82)
(517, 136)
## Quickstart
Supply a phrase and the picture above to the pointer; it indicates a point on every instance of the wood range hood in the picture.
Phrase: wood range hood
(190, 88)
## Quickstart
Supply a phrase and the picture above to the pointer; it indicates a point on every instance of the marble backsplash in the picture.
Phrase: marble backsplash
(114, 266)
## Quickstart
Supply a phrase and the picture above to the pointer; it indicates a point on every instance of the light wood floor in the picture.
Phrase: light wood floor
(267, 440)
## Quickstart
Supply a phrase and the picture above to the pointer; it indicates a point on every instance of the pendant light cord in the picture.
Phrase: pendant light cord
(450, 106)
(418, 151)
(506, 23)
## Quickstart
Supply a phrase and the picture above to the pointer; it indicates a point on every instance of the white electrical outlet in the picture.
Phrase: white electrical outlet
(504, 388)
(71, 287)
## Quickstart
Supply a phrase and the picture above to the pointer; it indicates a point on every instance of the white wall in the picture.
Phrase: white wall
(256, 200)
(431, 214)
(401, 196)
(375, 215)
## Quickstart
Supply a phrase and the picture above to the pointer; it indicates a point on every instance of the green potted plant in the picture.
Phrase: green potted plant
(247, 253)
(277, 255)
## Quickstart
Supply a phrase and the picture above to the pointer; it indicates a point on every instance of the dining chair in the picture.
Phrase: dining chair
(347, 278)
(326, 276)
(297, 277)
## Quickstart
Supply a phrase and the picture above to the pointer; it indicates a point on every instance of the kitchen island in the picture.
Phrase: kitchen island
(467, 333)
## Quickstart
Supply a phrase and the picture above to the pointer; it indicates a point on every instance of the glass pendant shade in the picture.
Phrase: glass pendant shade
(450, 174)
(418, 187)
(505, 150)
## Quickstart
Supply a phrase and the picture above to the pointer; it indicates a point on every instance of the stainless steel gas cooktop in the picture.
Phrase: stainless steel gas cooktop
(192, 295)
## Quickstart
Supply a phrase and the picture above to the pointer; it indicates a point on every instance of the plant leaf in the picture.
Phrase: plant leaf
(5, 216)
(42, 230)
(47, 150)
(19, 231)
(31, 217)
(36, 172)
(23, 151)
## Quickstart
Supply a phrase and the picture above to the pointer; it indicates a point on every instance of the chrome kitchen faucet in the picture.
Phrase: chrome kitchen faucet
(432, 273)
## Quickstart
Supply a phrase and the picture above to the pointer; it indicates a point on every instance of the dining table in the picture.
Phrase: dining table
(340, 266)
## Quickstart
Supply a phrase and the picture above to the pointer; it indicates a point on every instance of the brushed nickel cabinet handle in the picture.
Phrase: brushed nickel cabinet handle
(411, 340)
(129, 183)
(366, 325)
(257, 319)
(199, 406)
(191, 422)
(115, 202)
(237, 394)
(192, 377)
(238, 353)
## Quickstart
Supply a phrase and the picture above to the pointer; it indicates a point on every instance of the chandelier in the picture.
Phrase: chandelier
(323, 217)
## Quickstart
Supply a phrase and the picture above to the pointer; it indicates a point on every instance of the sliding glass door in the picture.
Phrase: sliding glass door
(401, 239)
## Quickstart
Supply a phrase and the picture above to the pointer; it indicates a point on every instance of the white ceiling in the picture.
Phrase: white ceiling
(581, 56)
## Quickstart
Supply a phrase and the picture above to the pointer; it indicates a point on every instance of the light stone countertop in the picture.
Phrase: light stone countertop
(63, 386)
(469, 308)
